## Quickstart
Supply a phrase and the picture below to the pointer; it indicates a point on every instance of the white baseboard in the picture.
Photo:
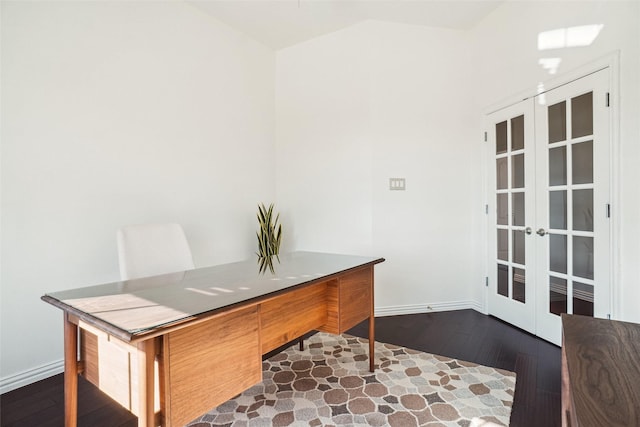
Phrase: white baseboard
(30, 376)
(427, 308)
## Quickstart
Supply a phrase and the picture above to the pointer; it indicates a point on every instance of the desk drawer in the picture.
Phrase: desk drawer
(286, 317)
(209, 363)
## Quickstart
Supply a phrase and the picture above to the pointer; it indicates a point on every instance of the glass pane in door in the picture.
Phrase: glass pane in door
(501, 137)
(502, 209)
(519, 285)
(557, 295)
(558, 253)
(558, 166)
(582, 115)
(503, 244)
(518, 247)
(583, 257)
(502, 174)
(582, 162)
(558, 210)
(517, 203)
(517, 167)
(583, 210)
(503, 280)
(582, 299)
(557, 122)
(517, 133)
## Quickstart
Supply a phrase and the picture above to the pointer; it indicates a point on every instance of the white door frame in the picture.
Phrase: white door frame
(611, 62)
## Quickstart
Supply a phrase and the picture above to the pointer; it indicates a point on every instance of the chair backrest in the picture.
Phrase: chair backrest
(152, 249)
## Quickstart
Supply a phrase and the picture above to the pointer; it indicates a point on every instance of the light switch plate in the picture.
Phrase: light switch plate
(396, 184)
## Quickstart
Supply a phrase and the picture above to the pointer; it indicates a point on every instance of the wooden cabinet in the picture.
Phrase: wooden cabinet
(600, 372)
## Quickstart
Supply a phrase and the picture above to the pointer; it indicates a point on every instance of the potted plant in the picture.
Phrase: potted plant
(269, 237)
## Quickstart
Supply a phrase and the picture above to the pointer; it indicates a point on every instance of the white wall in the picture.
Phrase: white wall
(116, 113)
(418, 101)
(323, 165)
(506, 56)
(357, 107)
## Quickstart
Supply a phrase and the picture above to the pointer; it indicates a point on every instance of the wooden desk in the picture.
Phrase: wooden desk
(169, 348)
(600, 372)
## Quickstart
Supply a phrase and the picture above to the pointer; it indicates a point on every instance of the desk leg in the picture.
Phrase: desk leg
(146, 386)
(70, 372)
(372, 331)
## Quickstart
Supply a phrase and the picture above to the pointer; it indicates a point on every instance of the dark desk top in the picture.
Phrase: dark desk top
(135, 307)
(603, 364)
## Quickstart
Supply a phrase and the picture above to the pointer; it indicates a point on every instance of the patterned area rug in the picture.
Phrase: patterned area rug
(329, 384)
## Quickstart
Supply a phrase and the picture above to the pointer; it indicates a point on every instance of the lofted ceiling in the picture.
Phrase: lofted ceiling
(282, 23)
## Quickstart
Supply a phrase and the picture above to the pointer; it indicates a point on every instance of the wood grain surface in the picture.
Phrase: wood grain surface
(601, 372)
(209, 363)
(288, 316)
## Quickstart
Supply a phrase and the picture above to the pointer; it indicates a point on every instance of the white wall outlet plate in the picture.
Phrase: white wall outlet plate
(396, 184)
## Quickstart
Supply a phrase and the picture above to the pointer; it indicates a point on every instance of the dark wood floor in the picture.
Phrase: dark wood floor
(463, 334)
(474, 337)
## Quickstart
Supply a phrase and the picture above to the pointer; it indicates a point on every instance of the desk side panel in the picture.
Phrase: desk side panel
(355, 293)
(111, 365)
(90, 358)
(209, 363)
(349, 300)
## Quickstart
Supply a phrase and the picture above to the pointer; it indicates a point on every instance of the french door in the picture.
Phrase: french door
(549, 239)
(511, 215)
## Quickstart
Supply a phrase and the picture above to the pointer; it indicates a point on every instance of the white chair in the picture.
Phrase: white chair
(152, 249)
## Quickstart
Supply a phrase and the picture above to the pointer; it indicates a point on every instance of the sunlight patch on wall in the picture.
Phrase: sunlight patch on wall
(579, 36)
(550, 64)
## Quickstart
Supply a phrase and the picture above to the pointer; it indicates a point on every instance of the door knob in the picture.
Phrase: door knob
(541, 232)
(528, 230)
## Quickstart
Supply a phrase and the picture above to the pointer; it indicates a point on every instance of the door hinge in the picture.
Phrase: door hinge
(608, 99)
(485, 137)
(608, 210)
(486, 281)
(486, 209)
